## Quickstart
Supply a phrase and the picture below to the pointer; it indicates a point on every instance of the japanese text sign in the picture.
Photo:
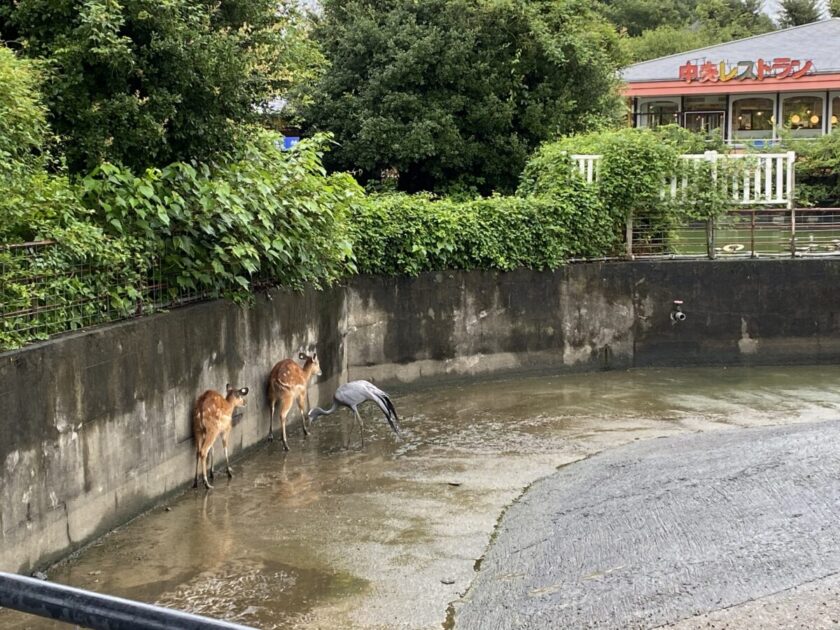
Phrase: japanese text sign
(778, 68)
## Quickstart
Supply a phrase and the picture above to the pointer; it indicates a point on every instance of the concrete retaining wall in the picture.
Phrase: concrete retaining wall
(96, 425)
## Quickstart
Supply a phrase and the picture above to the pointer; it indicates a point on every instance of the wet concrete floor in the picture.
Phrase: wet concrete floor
(682, 531)
(389, 536)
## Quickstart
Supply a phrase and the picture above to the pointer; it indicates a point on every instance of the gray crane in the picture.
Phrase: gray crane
(353, 394)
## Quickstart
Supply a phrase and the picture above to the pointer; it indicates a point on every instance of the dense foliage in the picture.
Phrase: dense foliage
(264, 215)
(143, 82)
(818, 170)
(39, 285)
(549, 169)
(667, 27)
(636, 165)
(799, 12)
(454, 94)
(409, 234)
(638, 16)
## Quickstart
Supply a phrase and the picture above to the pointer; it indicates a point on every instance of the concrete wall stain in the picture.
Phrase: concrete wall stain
(97, 424)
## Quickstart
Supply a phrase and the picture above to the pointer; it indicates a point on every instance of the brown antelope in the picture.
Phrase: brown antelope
(287, 384)
(214, 415)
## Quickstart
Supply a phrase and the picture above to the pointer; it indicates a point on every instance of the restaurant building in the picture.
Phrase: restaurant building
(745, 89)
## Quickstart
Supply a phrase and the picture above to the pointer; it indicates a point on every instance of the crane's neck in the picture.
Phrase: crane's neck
(322, 412)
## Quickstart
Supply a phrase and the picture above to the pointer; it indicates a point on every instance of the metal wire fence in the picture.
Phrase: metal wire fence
(45, 290)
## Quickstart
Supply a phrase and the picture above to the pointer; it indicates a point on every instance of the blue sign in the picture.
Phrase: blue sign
(289, 142)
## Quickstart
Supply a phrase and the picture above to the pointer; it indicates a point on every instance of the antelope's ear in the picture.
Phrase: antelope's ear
(243, 391)
(228, 388)
(314, 354)
(302, 356)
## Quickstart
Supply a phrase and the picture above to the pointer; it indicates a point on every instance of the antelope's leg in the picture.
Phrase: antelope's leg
(207, 447)
(271, 420)
(227, 460)
(286, 405)
(197, 464)
(302, 406)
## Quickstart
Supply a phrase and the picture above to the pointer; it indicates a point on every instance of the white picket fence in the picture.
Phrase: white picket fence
(768, 178)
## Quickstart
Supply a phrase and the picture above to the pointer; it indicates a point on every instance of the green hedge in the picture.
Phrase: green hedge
(409, 234)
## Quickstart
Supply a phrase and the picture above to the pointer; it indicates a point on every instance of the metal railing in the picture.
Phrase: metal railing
(95, 610)
(742, 233)
(763, 221)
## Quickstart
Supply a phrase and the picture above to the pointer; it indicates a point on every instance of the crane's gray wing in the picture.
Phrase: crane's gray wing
(384, 402)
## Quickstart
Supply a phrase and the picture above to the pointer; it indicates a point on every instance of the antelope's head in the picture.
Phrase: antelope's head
(310, 361)
(236, 396)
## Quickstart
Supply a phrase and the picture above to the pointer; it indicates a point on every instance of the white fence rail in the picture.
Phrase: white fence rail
(768, 178)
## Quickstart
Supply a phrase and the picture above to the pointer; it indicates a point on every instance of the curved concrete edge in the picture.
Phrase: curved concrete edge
(661, 531)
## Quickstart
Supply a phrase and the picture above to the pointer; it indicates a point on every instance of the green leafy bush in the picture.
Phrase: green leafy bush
(634, 168)
(409, 234)
(262, 215)
(550, 168)
(80, 272)
(818, 170)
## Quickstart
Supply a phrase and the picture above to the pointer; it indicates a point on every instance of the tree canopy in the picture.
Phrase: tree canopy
(799, 12)
(680, 26)
(456, 93)
(638, 16)
(148, 82)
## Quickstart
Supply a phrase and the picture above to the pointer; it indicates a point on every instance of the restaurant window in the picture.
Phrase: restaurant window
(704, 114)
(704, 103)
(753, 118)
(656, 113)
(835, 113)
(803, 115)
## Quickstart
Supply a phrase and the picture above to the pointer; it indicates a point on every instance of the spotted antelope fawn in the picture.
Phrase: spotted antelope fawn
(213, 415)
(289, 383)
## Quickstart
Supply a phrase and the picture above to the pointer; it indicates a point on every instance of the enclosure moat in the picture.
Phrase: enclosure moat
(390, 535)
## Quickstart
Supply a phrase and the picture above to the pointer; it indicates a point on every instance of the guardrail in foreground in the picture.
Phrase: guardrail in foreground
(95, 610)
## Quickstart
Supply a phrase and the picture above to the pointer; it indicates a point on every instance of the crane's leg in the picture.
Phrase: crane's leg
(227, 460)
(361, 426)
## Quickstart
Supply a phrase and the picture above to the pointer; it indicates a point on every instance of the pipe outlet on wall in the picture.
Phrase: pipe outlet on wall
(677, 314)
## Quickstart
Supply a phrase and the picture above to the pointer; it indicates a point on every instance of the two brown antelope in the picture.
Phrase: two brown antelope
(213, 415)
(287, 384)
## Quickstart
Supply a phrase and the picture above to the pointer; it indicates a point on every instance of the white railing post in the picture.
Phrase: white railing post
(762, 183)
